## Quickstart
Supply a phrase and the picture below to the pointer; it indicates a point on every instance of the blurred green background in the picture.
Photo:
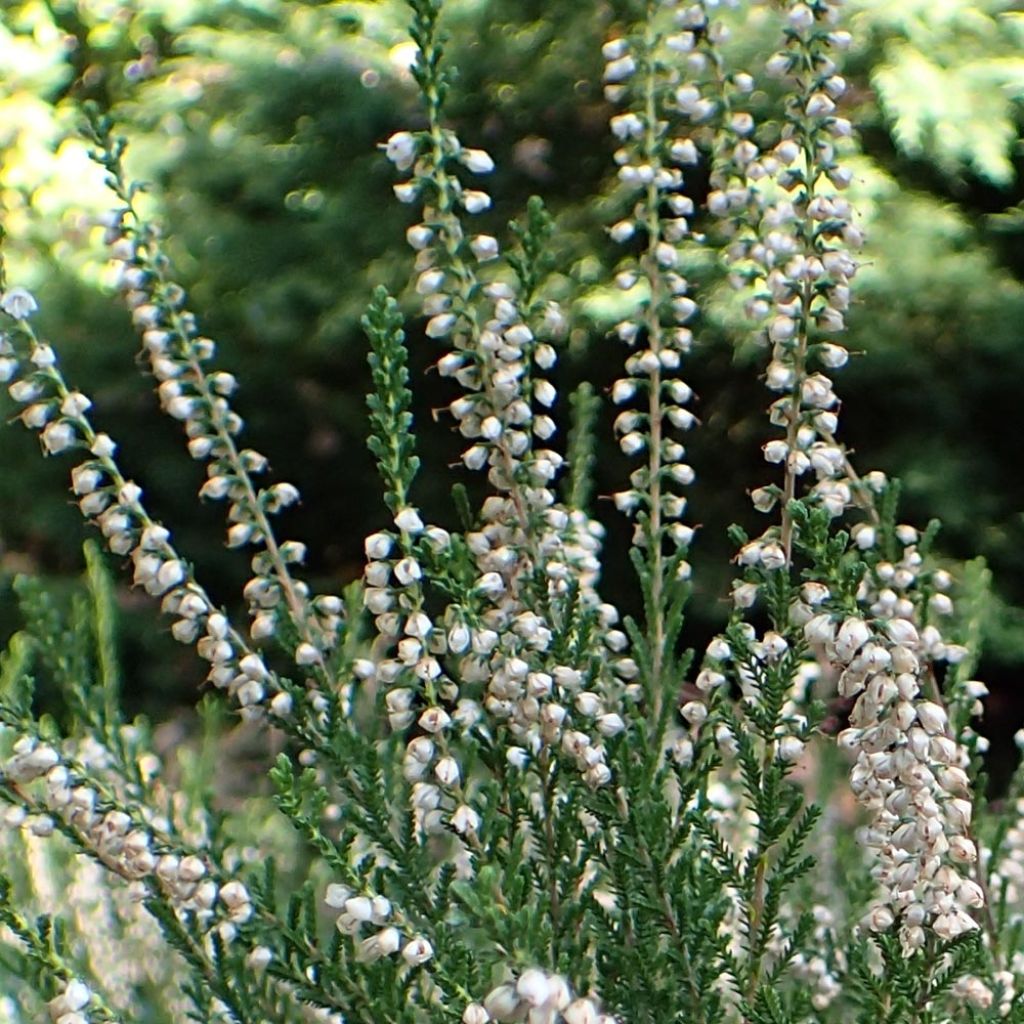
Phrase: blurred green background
(258, 123)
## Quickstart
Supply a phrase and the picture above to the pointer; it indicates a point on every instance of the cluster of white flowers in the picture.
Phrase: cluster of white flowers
(133, 849)
(909, 773)
(199, 397)
(537, 997)
(359, 912)
(814, 971)
(527, 545)
(790, 233)
(641, 73)
(72, 1004)
(434, 668)
(115, 505)
(497, 352)
(497, 665)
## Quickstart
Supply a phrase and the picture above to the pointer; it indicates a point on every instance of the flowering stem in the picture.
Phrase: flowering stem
(656, 627)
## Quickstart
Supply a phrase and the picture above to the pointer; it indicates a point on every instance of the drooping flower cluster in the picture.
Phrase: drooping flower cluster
(488, 657)
(115, 505)
(134, 849)
(538, 997)
(909, 774)
(790, 231)
(515, 776)
(376, 913)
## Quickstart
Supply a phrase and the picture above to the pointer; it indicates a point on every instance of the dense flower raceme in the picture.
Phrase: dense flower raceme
(50, 790)
(528, 549)
(789, 239)
(137, 850)
(649, 158)
(791, 230)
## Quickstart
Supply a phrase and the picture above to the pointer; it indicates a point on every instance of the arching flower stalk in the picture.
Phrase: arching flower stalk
(535, 559)
(198, 397)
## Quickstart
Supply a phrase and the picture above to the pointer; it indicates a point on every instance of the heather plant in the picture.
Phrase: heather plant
(494, 796)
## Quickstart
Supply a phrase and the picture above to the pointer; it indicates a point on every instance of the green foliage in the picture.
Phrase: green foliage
(391, 439)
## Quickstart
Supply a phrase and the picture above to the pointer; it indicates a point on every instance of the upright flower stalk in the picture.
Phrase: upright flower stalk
(642, 73)
(790, 237)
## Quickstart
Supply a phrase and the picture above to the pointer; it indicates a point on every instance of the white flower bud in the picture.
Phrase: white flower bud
(408, 521)
(476, 161)
(18, 303)
(417, 952)
(790, 749)
(401, 150)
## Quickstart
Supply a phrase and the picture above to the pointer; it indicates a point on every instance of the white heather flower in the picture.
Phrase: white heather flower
(772, 556)
(465, 819)
(447, 771)
(417, 951)
(474, 1013)
(932, 717)
(281, 704)
(58, 436)
(502, 1002)
(853, 634)
(408, 521)
(695, 712)
(434, 720)
(880, 919)
(820, 629)
(533, 987)
(18, 303)
(42, 355)
(401, 150)
(440, 326)
(622, 231)
(419, 236)
(337, 895)
(24, 391)
(429, 281)
(407, 571)
(306, 654)
(581, 1011)
(485, 247)
(377, 546)
(620, 69)
(475, 202)
(790, 749)
(103, 447)
(903, 632)
(476, 161)
(74, 404)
